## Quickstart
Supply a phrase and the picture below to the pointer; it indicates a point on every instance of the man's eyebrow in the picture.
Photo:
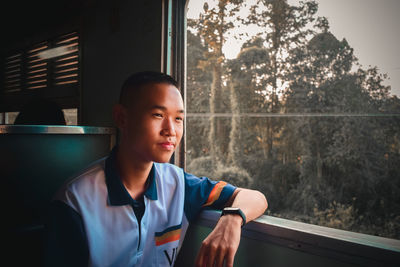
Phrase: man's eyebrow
(158, 107)
(164, 108)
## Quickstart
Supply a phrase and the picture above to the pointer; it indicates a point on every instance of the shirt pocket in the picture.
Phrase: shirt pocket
(167, 245)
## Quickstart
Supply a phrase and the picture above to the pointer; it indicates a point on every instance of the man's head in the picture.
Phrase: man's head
(135, 83)
(150, 116)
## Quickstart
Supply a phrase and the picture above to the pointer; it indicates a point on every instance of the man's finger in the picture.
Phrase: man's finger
(230, 256)
(219, 258)
(200, 257)
(211, 253)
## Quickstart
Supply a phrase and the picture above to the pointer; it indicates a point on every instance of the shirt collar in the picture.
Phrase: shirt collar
(117, 193)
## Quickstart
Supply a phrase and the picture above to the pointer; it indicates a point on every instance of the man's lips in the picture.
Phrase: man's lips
(167, 145)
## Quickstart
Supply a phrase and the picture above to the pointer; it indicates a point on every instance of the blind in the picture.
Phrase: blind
(13, 73)
(66, 66)
(48, 64)
(36, 67)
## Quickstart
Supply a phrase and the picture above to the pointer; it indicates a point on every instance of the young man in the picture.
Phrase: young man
(133, 208)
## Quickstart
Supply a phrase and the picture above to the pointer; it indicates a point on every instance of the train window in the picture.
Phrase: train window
(47, 64)
(49, 69)
(293, 98)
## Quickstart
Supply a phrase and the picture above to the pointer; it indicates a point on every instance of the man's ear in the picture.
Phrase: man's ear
(119, 113)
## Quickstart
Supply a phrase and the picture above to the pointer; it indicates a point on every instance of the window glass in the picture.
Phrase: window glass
(299, 99)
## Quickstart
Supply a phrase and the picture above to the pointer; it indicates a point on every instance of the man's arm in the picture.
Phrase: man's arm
(222, 243)
(65, 240)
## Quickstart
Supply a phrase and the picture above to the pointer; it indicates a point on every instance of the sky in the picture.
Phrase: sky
(371, 27)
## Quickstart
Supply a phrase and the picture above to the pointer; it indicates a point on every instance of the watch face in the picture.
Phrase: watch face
(230, 208)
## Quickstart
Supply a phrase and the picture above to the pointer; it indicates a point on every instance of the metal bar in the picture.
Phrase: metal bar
(269, 115)
(49, 129)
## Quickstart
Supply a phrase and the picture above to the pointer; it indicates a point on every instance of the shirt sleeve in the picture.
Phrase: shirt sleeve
(201, 192)
(66, 242)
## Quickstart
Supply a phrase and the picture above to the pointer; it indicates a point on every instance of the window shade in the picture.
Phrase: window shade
(12, 73)
(48, 64)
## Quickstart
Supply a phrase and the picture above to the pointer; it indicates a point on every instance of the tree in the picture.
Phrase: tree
(319, 71)
(246, 97)
(198, 95)
(284, 27)
(213, 26)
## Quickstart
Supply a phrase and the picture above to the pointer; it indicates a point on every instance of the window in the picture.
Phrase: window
(48, 69)
(46, 64)
(293, 98)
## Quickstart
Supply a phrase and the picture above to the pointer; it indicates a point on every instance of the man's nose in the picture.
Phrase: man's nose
(168, 127)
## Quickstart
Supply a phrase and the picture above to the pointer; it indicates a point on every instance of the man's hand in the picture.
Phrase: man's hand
(222, 243)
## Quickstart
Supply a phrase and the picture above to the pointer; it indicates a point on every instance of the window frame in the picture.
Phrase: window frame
(174, 57)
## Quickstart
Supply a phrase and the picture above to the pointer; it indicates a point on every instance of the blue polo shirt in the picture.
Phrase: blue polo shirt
(94, 221)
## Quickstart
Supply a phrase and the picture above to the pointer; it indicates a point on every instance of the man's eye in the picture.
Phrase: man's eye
(158, 115)
(179, 118)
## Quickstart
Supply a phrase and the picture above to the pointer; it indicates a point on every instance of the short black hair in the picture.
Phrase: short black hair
(137, 80)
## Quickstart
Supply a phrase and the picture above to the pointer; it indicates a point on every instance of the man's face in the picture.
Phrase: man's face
(154, 126)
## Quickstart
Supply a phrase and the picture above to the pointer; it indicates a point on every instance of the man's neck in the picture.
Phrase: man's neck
(133, 172)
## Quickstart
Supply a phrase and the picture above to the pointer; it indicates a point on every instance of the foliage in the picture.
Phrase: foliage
(202, 166)
(309, 127)
(337, 215)
(234, 175)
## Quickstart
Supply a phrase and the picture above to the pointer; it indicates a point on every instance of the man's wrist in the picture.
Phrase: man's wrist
(236, 212)
(232, 219)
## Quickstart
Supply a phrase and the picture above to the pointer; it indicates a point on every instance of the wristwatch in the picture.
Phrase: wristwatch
(232, 210)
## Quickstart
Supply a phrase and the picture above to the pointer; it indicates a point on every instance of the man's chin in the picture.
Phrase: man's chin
(162, 159)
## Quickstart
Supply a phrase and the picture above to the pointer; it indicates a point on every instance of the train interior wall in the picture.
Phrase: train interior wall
(120, 38)
(117, 38)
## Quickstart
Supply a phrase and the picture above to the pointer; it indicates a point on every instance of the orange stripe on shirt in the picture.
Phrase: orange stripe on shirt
(170, 238)
(215, 193)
